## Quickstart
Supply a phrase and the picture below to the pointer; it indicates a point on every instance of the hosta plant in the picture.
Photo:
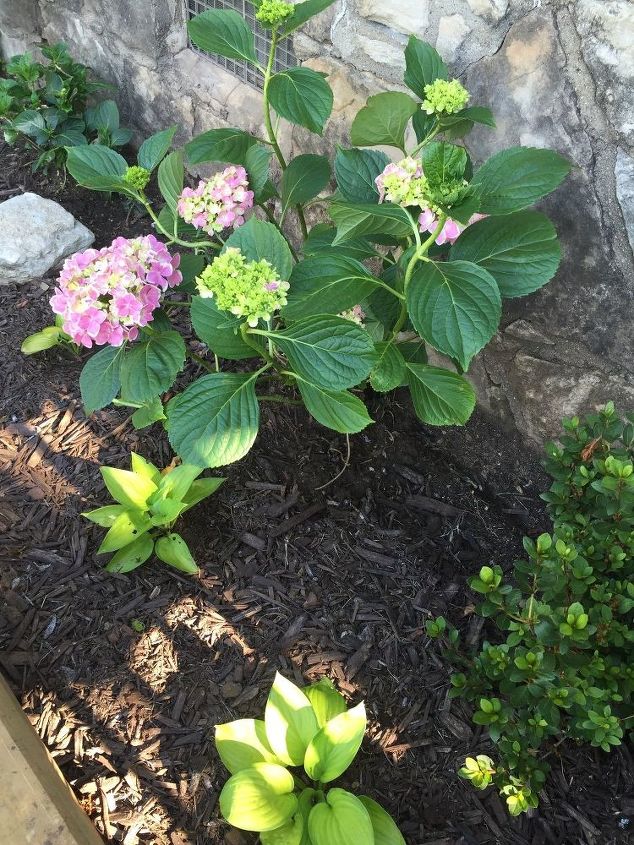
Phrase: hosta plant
(282, 769)
(562, 669)
(411, 254)
(148, 504)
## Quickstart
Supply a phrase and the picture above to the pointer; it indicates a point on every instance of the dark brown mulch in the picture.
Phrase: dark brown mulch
(125, 676)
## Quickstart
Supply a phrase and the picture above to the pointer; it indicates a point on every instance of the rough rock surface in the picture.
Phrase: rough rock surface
(36, 235)
(557, 73)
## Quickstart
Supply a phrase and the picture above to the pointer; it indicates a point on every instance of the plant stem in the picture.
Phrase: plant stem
(204, 364)
(276, 397)
(171, 235)
(245, 331)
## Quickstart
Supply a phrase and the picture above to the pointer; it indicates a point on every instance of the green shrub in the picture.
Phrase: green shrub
(564, 670)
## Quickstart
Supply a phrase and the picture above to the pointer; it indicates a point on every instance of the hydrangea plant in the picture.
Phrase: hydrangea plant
(310, 728)
(564, 669)
(425, 247)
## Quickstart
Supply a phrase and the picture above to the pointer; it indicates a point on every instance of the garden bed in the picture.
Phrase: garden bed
(125, 676)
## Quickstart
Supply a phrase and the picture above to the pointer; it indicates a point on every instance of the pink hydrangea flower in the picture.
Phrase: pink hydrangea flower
(217, 203)
(401, 183)
(450, 232)
(106, 295)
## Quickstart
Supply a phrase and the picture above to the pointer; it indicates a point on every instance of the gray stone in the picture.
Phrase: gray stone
(452, 31)
(624, 174)
(493, 9)
(37, 234)
(411, 18)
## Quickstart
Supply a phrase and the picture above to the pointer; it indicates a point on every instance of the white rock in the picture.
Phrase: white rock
(624, 173)
(410, 17)
(452, 31)
(493, 9)
(36, 235)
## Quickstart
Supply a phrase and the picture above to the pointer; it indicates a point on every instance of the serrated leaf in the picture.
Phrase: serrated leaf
(154, 149)
(171, 177)
(302, 96)
(97, 167)
(355, 219)
(305, 176)
(290, 721)
(242, 743)
(336, 409)
(226, 145)
(334, 747)
(220, 330)
(389, 369)
(149, 413)
(515, 178)
(257, 239)
(259, 798)
(320, 240)
(439, 396)
(520, 251)
(385, 830)
(150, 367)
(127, 487)
(331, 352)
(257, 162)
(383, 120)
(100, 378)
(423, 65)
(215, 420)
(340, 820)
(327, 284)
(225, 32)
(132, 556)
(303, 12)
(455, 306)
(356, 172)
(443, 162)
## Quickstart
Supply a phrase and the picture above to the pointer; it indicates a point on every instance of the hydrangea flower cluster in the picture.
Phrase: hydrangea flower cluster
(137, 177)
(217, 203)
(273, 12)
(402, 183)
(443, 97)
(451, 229)
(355, 314)
(250, 289)
(105, 295)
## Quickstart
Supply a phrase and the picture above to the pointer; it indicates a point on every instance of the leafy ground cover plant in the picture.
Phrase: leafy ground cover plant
(45, 105)
(310, 728)
(565, 669)
(419, 252)
(148, 504)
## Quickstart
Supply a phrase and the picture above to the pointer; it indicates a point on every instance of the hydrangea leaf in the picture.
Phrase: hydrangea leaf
(327, 284)
(290, 721)
(336, 409)
(100, 378)
(335, 746)
(383, 120)
(227, 145)
(98, 167)
(356, 171)
(302, 96)
(423, 65)
(355, 219)
(171, 177)
(305, 176)
(150, 367)
(389, 370)
(439, 396)
(340, 820)
(220, 330)
(154, 149)
(304, 12)
(259, 798)
(257, 239)
(150, 412)
(225, 32)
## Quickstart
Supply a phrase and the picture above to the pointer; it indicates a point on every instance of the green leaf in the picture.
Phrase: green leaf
(340, 820)
(515, 178)
(295, 831)
(303, 12)
(440, 397)
(335, 745)
(103, 116)
(225, 32)
(100, 378)
(303, 179)
(259, 798)
(132, 556)
(150, 367)
(69, 138)
(175, 483)
(149, 413)
(220, 330)
(97, 167)
(215, 420)
(320, 240)
(242, 743)
(174, 551)
(385, 830)
(226, 145)
(455, 306)
(356, 171)
(354, 219)
(389, 370)
(290, 721)
(145, 468)
(31, 123)
(443, 162)
(520, 251)
(154, 149)
(44, 339)
(473, 114)
(423, 124)
(201, 489)
(327, 284)
(383, 120)
(336, 409)
(331, 352)
(302, 96)
(423, 65)
(105, 516)
(257, 162)
(128, 488)
(191, 265)
(126, 528)
(171, 177)
(327, 702)
(257, 240)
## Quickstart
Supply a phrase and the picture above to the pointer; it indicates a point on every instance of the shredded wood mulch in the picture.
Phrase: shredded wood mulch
(124, 677)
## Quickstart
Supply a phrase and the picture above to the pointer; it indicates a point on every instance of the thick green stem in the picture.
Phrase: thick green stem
(245, 333)
(172, 236)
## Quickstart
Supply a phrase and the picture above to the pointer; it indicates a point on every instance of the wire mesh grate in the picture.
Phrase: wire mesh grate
(284, 55)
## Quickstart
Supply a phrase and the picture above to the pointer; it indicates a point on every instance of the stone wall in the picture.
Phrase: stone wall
(556, 73)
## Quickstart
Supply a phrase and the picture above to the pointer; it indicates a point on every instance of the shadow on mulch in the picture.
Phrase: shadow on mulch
(125, 676)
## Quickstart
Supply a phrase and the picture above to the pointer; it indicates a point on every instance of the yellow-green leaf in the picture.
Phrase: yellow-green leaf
(242, 743)
(335, 746)
(126, 528)
(127, 487)
(290, 721)
(326, 700)
(259, 798)
(385, 830)
(340, 820)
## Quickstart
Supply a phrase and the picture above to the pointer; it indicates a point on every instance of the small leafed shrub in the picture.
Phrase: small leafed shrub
(148, 503)
(45, 105)
(565, 669)
(411, 254)
(310, 728)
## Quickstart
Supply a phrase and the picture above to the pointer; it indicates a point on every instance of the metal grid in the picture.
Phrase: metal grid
(284, 55)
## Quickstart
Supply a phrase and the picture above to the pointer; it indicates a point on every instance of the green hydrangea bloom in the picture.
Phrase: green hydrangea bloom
(274, 12)
(403, 183)
(443, 97)
(137, 177)
(250, 289)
